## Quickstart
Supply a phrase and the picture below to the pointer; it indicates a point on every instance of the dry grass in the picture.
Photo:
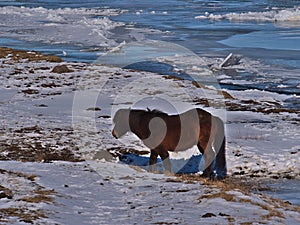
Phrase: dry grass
(267, 206)
(243, 105)
(40, 196)
(37, 194)
(27, 216)
(225, 94)
(38, 199)
(24, 151)
(18, 55)
(258, 107)
(274, 207)
(228, 184)
(30, 177)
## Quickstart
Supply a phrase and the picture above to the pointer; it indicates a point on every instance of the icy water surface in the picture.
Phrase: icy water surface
(268, 31)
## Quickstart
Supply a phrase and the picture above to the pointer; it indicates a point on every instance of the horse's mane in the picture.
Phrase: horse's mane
(148, 111)
(156, 111)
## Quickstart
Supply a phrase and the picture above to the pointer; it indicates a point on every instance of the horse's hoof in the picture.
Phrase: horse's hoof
(206, 175)
(214, 177)
(220, 177)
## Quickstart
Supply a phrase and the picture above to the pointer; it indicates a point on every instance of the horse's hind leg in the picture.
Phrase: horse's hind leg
(164, 155)
(153, 160)
(219, 145)
(221, 167)
(208, 155)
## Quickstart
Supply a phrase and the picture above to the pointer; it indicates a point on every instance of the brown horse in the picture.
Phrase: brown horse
(162, 133)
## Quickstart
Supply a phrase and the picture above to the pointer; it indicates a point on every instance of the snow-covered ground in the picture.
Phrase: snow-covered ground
(124, 195)
(51, 121)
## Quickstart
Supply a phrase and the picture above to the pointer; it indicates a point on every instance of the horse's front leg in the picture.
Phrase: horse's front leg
(153, 160)
(164, 155)
(208, 172)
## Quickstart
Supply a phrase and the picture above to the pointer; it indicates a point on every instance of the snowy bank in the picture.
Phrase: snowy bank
(56, 126)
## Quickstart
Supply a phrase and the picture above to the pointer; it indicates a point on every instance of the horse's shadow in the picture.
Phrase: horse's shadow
(192, 165)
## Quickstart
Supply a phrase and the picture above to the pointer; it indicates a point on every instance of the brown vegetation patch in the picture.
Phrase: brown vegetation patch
(201, 101)
(30, 177)
(260, 107)
(35, 152)
(50, 85)
(271, 205)
(93, 109)
(24, 215)
(28, 210)
(227, 95)
(172, 77)
(18, 55)
(33, 129)
(31, 91)
(37, 199)
(61, 69)
(40, 195)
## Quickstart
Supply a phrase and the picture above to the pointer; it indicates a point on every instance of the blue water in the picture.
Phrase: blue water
(274, 43)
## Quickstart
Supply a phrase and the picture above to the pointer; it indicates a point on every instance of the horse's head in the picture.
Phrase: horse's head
(121, 121)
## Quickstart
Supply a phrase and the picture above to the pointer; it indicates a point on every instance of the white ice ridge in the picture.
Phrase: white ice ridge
(273, 15)
(80, 26)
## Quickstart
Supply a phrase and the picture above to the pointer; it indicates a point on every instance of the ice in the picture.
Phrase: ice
(273, 15)
(81, 26)
(281, 40)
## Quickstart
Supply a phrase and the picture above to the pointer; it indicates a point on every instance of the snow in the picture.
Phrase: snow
(272, 15)
(99, 191)
(120, 194)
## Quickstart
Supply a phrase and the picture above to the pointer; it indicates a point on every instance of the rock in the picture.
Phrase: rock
(223, 214)
(207, 215)
(103, 155)
(61, 69)
(5, 193)
(93, 109)
(30, 91)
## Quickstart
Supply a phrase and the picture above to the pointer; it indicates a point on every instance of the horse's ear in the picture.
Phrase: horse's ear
(148, 110)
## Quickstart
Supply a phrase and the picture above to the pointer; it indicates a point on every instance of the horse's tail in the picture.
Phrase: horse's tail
(219, 146)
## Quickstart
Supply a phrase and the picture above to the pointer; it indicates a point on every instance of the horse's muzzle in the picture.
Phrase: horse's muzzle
(114, 133)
